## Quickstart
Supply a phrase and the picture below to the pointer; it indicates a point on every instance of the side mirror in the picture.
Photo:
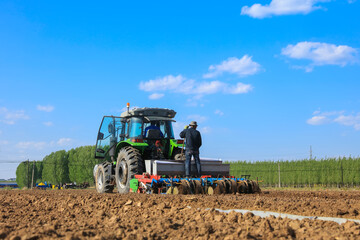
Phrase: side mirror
(100, 136)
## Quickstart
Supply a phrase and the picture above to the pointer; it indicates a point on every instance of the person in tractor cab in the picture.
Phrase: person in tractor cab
(193, 143)
(152, 126)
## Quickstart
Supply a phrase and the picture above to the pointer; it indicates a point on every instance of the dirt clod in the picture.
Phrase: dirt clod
(85, 214)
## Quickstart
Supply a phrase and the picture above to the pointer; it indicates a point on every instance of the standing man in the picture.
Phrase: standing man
(193, 143)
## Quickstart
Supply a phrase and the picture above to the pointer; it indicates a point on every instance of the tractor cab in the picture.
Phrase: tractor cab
(147, 129)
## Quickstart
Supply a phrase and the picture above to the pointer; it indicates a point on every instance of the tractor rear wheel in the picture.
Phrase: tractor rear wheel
(129, 163)
(103, 178)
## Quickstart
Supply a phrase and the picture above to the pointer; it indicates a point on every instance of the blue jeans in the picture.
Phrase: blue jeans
(188, 155)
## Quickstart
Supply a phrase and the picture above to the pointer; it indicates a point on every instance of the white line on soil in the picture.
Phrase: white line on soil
(265, 214)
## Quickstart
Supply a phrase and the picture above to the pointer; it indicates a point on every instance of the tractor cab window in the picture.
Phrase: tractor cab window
(152, 130)
(109, 134)
(169, 130)
(164, 127)
(135, 128)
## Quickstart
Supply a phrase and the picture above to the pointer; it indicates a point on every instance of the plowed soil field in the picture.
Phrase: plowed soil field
(81, 214)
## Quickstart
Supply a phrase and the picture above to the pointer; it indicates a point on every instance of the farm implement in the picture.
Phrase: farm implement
(203, 185)
(141, 155)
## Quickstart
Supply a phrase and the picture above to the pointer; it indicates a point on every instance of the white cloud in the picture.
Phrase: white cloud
(48, 124)
(317, 120)
(168, 82)
(205, 130)
(155, 96)
(321, 54)
(192, 102)
(64, 141)
(47, 108)
(242, 67)
(10, 117)
(239, 88)
(281, 7)
(349, 120)
(42, 145)
(4, 142)
(32, 145)
(208, 87)
(219, 112)
(186, 86)
(180, 84)
(320, 118)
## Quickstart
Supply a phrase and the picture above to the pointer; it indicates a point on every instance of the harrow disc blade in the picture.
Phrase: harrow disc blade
(227, 186)
(173, 190)
(184, 187)
(220, 187)
(250, 186)
(255, 187)
(198, 187)
(210, 190)
(242, 187)
(233, 186)
(247, 187)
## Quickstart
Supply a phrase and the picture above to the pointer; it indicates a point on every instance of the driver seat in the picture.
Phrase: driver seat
(153, 134)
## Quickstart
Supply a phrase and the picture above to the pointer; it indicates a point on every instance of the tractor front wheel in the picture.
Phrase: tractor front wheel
(103, 178)
(129, 163)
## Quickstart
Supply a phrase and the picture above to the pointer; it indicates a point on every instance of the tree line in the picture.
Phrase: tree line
(75, 165)
(342, 171)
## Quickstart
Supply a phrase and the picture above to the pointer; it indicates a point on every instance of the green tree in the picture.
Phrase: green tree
(62, 169)
(81, 164)
(23, 174)
(55, 168)
(38, 172)
(49, 169)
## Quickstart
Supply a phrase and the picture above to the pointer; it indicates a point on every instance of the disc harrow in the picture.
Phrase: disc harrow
(202, 185)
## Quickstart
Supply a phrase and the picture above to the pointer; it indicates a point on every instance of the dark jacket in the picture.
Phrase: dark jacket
(192, 138)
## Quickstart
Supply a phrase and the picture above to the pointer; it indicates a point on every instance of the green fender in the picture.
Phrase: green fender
(138, 145)
(174, 145)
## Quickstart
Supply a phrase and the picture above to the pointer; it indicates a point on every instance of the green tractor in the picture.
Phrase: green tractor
(125, 142)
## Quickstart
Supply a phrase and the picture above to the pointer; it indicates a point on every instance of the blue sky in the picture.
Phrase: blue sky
(264, 79)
